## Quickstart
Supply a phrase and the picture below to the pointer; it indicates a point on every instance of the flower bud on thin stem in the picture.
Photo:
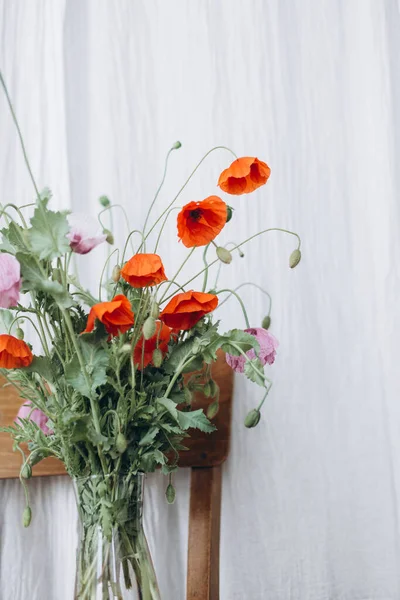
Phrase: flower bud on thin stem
(149, 328)
(157, 358)
(170, 493)
(27, 516)
(252, 419)
(26, 471)
(266, 322)
(120, 443)
(214, 388)
(212, 409)
(176, 146)
(207, 389)
(116, 274)
(155, 310)
(224, 255)
(188, 394)
(294, 258)
(19, 333)
(110, 237)
(104, 201)
(229, 213)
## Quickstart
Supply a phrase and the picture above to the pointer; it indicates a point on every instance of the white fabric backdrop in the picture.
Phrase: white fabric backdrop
(102, 89)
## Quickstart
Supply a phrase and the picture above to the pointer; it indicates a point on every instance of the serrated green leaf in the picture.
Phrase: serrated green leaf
(16, 236)
(179, 356)
(42, 366)
(6, 318)
(34, 279)
(253, 369)
(169, 405)
(96, 362)
(240, 339)
(98, 335)
(195, 419)
(148, 438)
(48, 233)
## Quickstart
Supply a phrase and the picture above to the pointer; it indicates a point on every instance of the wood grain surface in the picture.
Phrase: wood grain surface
(205, 450)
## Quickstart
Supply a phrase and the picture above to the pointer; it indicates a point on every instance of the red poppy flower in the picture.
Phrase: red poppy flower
(144, 270)
(159, 340)
(184, 310)
(116, 316)
(244, 175)
(200, 222)
(14, 353)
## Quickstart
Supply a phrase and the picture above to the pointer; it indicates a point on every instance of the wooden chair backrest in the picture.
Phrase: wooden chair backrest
(205, 456)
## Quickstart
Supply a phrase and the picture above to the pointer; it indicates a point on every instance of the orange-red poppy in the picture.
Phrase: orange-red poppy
(116, 316)
(14, 353)
(200, 222)
(159, 340)
(244, 175)
(144, 270)
(184, 310)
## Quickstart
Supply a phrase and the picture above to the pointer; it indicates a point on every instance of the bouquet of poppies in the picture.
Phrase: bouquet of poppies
(107, 386)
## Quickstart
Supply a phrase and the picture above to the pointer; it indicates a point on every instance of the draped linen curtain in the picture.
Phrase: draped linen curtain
(102, 89)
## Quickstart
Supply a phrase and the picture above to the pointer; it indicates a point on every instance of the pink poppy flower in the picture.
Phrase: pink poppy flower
(85, 233)
(10, 280)
(35, 415)
(268, 345)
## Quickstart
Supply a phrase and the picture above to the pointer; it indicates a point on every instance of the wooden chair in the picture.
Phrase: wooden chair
(205, 456)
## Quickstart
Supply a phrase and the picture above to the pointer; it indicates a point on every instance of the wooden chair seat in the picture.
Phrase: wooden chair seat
(205, 456)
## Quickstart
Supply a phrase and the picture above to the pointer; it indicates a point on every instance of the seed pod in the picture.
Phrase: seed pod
(224, 255)
(157, 358)
(170, 493)
(252, 418)
(110, 237)
(149, 328)
(229, 213)
(155, 310)
(26, 471)
(116, 274)
(207, 389)
(104, 201)
(176, 146)
(212, 409)
(27, 516)
(121, 443)
(294, 258)
(19, 333)
(266, 322)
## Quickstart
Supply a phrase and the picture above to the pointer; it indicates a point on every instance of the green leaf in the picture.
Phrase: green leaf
(6, 318)
(241, 339)
(148, 438)
(251, 369)
(42, 366)
(16, 236)
(34, 279)
(48, 233)
(179, 355)
(98, 335)
(169, 405)
(96, 361)
(195, 419)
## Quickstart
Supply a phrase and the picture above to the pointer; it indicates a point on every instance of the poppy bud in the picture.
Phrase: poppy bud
(121, 443)
(56, 275)
(19, 333)
(266, 322)
(252, 418)
(170, 493)
(188, 395)
(176, 146)
(27, 516)
(155, 310)
(126, 348)
(26, 471)
(157, 358)
(116, 274)
(241, 254)
(214, 388)
(110, 237)
(207, 390)
(212, 409)
(104, 201)
(229, 213)
(294, 258)
(224, 255)
(149, 328)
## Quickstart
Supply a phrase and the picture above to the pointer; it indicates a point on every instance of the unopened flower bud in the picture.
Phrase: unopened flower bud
(224, 255)
(116, 274)
(176, 146)
(188, 395)
(126, 348)
(294, 258)
(155, 310)
(26, 471)
(27, 516)
(110, 237)
(157, 358)
(149, 328)
(170, 493)
(252, 418)
(19, 333)
(56, 275)
(207, 390)
(214, 388)
(266, 322)
(120, 443)
(241, 253)
(104, 201)
(213, 409)
(229, 213)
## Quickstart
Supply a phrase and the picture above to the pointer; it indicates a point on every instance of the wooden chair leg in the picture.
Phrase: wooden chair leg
(204, 534)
